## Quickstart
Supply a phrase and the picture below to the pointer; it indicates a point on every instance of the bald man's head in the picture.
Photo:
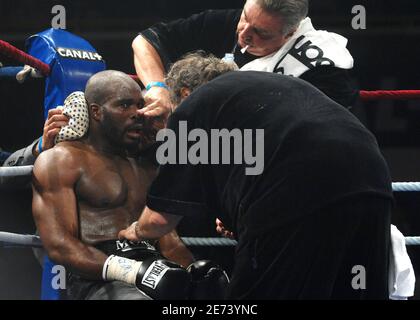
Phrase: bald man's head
(103, 85)
(114, 100)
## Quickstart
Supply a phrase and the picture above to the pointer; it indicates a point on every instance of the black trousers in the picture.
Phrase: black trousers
(101, 290)
(340, 252)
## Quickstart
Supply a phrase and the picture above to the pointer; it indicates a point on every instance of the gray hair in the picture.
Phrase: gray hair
(292, 11)
(193, 70)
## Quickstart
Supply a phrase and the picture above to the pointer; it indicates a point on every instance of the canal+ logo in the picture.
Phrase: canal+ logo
(79, 54)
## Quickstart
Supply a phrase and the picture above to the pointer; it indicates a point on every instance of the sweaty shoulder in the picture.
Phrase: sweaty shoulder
(61, 164)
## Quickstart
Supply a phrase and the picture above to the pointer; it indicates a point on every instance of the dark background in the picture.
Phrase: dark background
(386, 57)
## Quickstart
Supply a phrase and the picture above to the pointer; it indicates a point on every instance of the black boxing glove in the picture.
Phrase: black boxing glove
(163, 280)
(160, 279)
(209, 280)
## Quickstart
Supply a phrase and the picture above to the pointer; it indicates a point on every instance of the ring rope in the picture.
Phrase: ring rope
(31, 240)
(389, 94)
(17, 54)
(12, 240)
(10, 72)
(16, 171)
(405, 186)
(8, 240)
(213, 242)
(27, 170)
(412, 241)
(11, 51)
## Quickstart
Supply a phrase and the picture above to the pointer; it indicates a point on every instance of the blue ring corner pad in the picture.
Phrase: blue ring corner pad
(72, 62)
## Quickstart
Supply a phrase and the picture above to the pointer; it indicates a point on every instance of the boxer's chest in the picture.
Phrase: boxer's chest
(110, 184)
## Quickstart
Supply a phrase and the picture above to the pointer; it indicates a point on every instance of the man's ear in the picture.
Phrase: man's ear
(185, 92)
(290, 34)
(95, 111)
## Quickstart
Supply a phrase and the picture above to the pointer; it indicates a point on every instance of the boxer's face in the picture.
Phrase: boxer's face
(120, 121)
(262, 32)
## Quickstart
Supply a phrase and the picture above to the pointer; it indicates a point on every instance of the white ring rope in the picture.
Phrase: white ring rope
(27, 171)
(16, 171)
(8, 239)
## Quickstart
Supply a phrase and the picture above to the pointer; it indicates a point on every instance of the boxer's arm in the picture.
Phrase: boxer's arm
(54, 209)
(172, 248)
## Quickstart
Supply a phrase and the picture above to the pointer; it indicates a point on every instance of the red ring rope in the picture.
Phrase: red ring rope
(390, 94)
(13, 52)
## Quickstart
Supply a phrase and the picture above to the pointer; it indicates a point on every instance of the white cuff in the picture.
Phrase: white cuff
(121, 269)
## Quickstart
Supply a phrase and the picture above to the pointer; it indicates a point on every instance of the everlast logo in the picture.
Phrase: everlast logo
(153, 274)
(122, 244)
(79, 54)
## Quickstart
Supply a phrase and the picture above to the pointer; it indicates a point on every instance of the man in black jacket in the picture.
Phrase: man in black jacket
(298, 179)
(267, 35)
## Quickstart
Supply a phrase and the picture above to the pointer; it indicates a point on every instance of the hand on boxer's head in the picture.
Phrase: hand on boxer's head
(158, 103)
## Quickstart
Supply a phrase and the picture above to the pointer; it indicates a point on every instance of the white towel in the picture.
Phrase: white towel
(402, 280)
(306, 49)
(75, 107)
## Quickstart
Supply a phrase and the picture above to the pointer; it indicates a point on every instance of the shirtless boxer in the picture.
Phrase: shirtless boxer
(85, 191)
